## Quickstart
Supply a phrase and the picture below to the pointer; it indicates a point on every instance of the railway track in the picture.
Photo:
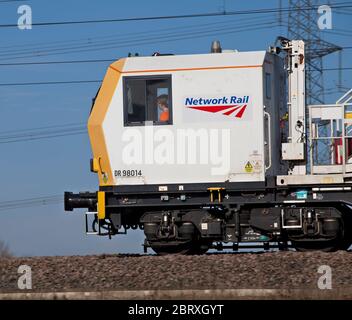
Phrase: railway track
(223, 276)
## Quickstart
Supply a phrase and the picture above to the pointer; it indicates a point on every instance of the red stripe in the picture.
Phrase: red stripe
(212, 109)
(231, 111)
(240, 113)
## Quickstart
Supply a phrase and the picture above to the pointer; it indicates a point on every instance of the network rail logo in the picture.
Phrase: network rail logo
(233, 106)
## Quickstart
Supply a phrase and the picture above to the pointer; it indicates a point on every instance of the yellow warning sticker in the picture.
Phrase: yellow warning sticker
(248, 167)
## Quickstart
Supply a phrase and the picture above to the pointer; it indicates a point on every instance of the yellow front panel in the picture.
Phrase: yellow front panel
(101, 205)
(96, 119)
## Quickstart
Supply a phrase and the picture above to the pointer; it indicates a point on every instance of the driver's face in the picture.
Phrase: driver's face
(161, 106)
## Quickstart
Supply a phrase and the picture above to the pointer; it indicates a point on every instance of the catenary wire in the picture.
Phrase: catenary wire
(141, 40)
(340, 5)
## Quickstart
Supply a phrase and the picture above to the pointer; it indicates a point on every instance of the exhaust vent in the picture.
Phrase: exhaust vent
(215, 47)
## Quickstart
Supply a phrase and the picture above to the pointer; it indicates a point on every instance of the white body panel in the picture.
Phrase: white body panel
(292, 151)
(194, 76)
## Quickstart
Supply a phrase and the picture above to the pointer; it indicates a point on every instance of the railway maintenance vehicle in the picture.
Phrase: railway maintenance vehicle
(219, 150)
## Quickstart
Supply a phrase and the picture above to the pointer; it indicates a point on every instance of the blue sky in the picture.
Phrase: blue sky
(49, 167)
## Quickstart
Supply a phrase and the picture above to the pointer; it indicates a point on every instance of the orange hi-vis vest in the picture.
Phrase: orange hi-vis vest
(164, 116)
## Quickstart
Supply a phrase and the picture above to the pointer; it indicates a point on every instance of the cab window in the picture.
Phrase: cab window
(147, 100)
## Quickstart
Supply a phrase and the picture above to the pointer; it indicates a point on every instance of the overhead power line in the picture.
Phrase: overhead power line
(184, 16)
(31, 202)
(121, 36)
(9, 1)
(149, 38)
(56, 62)
(120, 44)
(47, 83)
(12, 136)
(14, 131)
(96, 81)
(91, 61)
(30, 138)
(336, 69)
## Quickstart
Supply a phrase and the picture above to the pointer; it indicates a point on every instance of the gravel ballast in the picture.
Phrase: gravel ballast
(272, 270)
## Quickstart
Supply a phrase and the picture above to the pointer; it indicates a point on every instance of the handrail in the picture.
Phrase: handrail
(269, 138)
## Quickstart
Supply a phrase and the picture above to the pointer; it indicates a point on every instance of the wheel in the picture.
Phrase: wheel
(168, 247)
(201, 247)
(324, 246)
(196, 247)
(188, 240)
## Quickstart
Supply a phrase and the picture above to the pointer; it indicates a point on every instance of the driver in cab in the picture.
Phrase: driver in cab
(162, 101)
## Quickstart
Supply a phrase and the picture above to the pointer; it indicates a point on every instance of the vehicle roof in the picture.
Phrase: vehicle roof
(192, 61)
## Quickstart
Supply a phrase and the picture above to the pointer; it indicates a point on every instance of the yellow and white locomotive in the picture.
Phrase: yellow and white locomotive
(201, 150)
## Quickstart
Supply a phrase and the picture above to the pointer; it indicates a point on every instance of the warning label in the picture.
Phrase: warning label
(248, 167)
(257, 166)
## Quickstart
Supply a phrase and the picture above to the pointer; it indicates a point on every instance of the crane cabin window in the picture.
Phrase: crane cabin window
(147, 100)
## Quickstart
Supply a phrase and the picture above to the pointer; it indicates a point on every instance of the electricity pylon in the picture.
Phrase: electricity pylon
(303, 24)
